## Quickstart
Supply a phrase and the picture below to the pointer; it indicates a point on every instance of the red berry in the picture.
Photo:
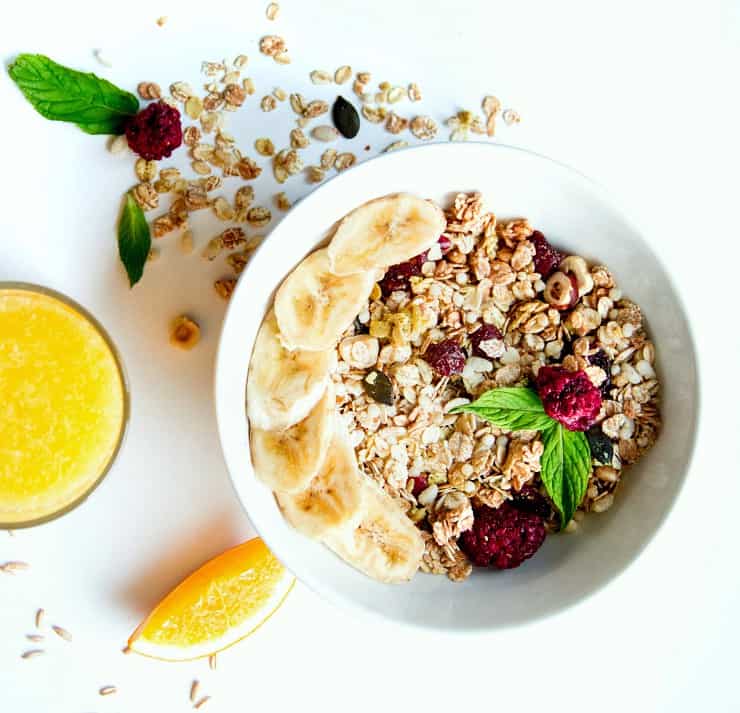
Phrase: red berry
(546, 257)
(155, 132)
(568, 397)
(420, 484)
(530, 500)
(503, 537)
(480, 341)
(444, 244)
(397, 276)
(446, 358)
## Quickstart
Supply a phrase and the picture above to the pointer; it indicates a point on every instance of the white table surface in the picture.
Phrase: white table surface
(641, 96)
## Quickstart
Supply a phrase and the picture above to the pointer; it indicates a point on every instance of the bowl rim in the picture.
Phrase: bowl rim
(607, 199)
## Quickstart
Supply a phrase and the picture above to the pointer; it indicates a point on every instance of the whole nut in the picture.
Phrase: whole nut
(578, 267)
(561, 292)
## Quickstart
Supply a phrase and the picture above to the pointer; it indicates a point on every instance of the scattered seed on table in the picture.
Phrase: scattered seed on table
(13, 567)
(39, 618)
(212, 662)
(107, 690)
(33, 653)
(202, 702)
(62, 633)
(194, 690)
(35, 638)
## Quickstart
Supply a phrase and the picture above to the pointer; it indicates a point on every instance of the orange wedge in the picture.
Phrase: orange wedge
(216, 606)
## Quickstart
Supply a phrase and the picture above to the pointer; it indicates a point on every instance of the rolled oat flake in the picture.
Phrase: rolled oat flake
(345, 118)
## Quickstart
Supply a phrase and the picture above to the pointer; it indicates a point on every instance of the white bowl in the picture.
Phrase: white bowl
(576, 216)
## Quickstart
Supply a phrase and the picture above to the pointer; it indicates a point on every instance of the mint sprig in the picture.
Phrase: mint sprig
(63, 94)
(134, 239)
(566, 460)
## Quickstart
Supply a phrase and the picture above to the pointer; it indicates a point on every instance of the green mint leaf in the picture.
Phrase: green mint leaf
(62, 94)
(134, 239)
(515, 408)
(565, 467)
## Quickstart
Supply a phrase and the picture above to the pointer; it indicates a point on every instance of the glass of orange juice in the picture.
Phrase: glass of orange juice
(64, 404)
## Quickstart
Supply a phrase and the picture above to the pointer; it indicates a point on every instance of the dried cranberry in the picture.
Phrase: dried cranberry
(155, 132)
(568, 397)
(397, 276)
(445, 244)
(503, 537)
(601, 360)
(420, 484)
(530, 500)
(546, 257)
(484, 333)
(446, 358)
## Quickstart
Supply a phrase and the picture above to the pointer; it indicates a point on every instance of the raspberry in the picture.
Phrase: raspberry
(397, 276)
(503, 537)
(447, 358)
(155, 132)
(568, 397)
(601, 360)
(530, 500)
(484, 333)
(546, 257)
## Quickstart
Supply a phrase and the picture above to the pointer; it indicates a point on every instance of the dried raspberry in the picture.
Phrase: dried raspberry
(484, 333)
(601, 360)
(503, 537)
(446, 357)
(397, 276)
(420, 484)
(568, 397)
(530, 500)
(445, 244)
(546, 257)
(155, 132)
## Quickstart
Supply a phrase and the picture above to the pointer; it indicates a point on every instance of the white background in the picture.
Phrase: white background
(642, 96)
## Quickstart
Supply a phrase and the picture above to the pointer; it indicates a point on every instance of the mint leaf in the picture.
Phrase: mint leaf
(515, 408)
(62, 94)
(134, 239)
(565, 467)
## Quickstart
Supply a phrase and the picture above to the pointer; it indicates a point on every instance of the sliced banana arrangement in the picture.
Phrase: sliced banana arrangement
(300, 446)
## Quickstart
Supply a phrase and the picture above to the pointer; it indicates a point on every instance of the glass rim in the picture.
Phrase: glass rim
(126, 394)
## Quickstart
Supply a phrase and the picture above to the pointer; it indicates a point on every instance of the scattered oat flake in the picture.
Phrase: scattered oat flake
(202, 702)
(395, 146)
(319, 76)
(423, 127)
(102, 59)
(248, 85)
(273, 10)
(271, 45)
(186, 242)
(264, 147)
(314, 174)
(298, 140)
(282, 201)
(396, 94)
(342, 74)
(374, 114)
(268, 103)
(33, 653)
(162, 20)
(510, 117)
(344, 161)
(328, 158)
(225, 287)
(13, 567)
(282, 58)
(149, 90)
(107, 690)
(40, 613)
(280, 94)
(414, 92)
(62, 633)
(118, 144)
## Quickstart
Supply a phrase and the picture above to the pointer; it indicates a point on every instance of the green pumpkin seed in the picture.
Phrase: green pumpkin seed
(378, 387)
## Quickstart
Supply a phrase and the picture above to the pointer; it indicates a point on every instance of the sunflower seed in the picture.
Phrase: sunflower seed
(345, 118)
(319, 76)
(325, 133)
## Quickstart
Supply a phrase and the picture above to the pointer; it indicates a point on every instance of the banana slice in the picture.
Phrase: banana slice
(283, 385)
(288, 460)
(314, 307)
(333, 498)
(385, 545)
(385, 232)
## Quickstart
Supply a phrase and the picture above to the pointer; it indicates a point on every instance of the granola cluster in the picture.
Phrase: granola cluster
(441, 465)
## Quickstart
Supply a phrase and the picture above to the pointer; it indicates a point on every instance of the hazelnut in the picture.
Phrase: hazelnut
(561, 290)
(185, 333)
(577, 266)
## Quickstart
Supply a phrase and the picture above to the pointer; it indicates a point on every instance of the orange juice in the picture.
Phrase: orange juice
(63, 404)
